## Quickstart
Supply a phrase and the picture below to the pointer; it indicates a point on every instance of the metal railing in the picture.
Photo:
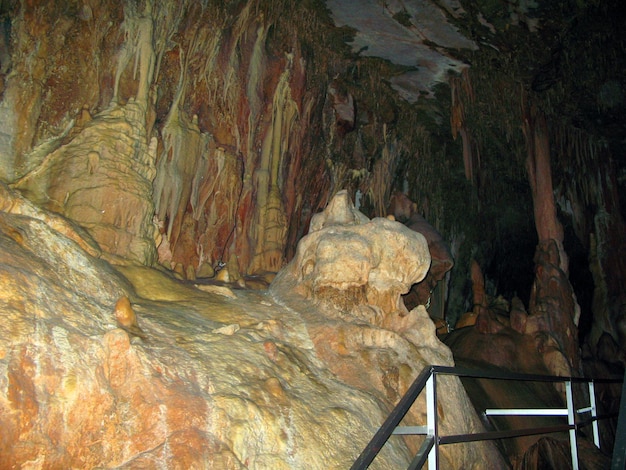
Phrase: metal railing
(429, 449)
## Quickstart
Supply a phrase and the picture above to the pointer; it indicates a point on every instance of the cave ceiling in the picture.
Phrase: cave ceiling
(539, 44)
(415, 34)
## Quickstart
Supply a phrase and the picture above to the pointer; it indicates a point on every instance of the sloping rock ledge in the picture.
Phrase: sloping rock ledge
(104, 367)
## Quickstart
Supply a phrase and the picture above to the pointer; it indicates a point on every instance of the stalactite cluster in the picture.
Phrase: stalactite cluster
(232, 95)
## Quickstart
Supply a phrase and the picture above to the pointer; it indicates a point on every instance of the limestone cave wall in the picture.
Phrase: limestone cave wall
(202, 135)
(211, 109)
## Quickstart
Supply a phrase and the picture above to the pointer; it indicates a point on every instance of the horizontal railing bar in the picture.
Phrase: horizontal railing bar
(484, 436)
(587, 421)
(404, 430)
(526, 412)
(422, 454)
(585, 410)
(502, 375)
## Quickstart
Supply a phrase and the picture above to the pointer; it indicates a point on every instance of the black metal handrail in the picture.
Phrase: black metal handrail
(430, 447)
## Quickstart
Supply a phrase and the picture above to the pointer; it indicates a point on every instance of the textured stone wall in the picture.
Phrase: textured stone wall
(115, 112)
(140, 370)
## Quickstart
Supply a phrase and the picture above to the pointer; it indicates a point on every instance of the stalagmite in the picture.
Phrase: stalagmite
(552, 296)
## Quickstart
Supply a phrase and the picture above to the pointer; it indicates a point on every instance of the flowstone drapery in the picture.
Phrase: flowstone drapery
(269, 228)
(102, 179)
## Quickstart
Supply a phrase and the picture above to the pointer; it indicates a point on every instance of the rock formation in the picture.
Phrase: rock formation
(102, 179)
(99, 368)
(496, 334)
(404, 210)
(363, 265)
(347, 279)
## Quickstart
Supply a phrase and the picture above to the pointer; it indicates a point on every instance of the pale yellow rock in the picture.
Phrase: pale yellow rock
(179, 269)
(205, 271)
(190, 273)
(219, 290)
(227, 330)
(347, 261)
(223, 275)
(111, 188)
(13, 202)
(156, 284)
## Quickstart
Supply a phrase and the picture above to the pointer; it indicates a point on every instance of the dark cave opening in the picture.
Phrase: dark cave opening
(511, 269)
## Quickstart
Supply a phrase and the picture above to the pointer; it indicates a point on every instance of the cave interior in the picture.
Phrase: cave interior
(499, 126)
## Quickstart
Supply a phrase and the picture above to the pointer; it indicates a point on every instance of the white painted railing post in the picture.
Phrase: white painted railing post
(571, 420)
(431, 421)
(594, 413)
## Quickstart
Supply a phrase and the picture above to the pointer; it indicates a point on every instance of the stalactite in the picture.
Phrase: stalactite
(185, 149)
(295, 180)
(217, 204)
(254, 90)
(210, 39)
(468, 162)
(456, 108)
(540, 178)
(138, 46)
(479, 296)
(461, 92)
(166, 17)
(380, 180)
(270, 230)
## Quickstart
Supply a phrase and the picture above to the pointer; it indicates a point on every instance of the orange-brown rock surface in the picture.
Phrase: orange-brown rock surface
(214, 378)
